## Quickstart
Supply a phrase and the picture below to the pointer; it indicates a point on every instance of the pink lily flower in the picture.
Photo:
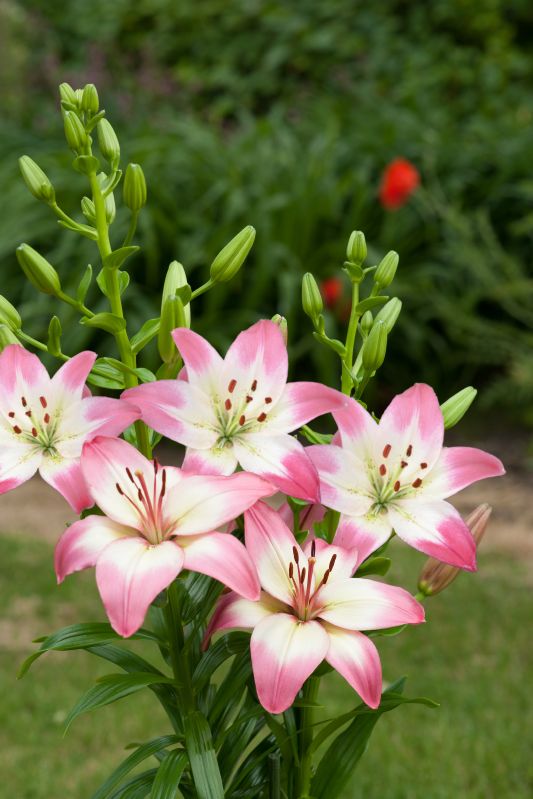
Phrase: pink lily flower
(158, 521)
(240, 409)
(397, 475)
(45, 422)
(310, 610)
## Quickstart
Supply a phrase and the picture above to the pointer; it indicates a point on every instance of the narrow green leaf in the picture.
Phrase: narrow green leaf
(202, 757)
(371, 302)
(106, 376)
(76, 227)
(233, 643)
(168, 775)
(142, 752)
(374, 566)
(85, 282)
(115, 259)
(147, 332)
(109, 322)
(136, 788)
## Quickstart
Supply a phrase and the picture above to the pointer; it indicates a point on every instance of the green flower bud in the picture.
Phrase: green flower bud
(89, 100)
(36, 180)
(356, 250)
(7, 337)
(375, 347)
(108, 143)
(455, 408)
(74, 131)
(281, 322)
(175, 279)
(384, 274)
(311, 297)
(110, 208)
(39, 272)
(67, 94)
(172, 316)
(88, 210)
(54, 336)
(9, 315)
(390, 313)
(366, 323)
(134, 188)
(232, 256)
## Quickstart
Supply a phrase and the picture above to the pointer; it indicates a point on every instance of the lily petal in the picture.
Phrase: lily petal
(364, 533)
(301, 402)
(357, 429)
(82, 542)
(361, 604)
(21, 372)
(233, 611)
(282, 460)
(224, 558)
(69, 380)
(217, 460)
(346, 559)
(178, 409)
(18, 463)
(459, 467)
(271, 546)
(285, 652)
(344, 484)
(258, 357)
(355, 656)
(413, 425)
(203, 363)
(82, 421)
(435, 528)
(65, 476)
(130, 574)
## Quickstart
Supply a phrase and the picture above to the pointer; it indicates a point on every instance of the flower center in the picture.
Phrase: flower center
(148, 503)
(396, 477)
(34, 424)
(242, 409)
(305, 597)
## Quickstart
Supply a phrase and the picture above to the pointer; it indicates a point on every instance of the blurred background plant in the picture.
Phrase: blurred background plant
(285, 116)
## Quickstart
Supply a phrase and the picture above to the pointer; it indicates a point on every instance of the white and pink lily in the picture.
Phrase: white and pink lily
(396, 475)
(158, 521)
(45, 421)
(240, 409)
(311, 609)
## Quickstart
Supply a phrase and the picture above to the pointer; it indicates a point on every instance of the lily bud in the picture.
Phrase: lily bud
(74, 131)
(356, 251)
(389, 313)
(375, 347)
(175, 279)
(110, 208)
(172, 316)
(7, 337)
(455, 408)
(384, 274)
(36, 180)
(39, 272)
(108, 143)
(134, 188)
(54, 336)
(232, 256)
(366, 323)
(311, 297)
(88, 210)
(67, 94)
(436, 576)
(281, 322)
(9, 315)
(89, 100)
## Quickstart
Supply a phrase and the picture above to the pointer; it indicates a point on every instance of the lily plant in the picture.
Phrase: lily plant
(249, 552)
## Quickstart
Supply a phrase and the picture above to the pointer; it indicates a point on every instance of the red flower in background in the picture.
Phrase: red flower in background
(331, 290)
(399, 181)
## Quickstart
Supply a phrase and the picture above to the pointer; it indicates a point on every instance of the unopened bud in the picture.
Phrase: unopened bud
(172, 316)
(232, 256)
(384, 274)
(110, 208)
(36, 180)
(134, 188)
(9, 315)
(7, 337)
(74, 131)
(175, 279)
(366, 323)
(67, 94)
(89, 100)
(108, 143)
(39, 272)
(389, 313)
(455, 408)
(54, 336)
(312, 302)
(435, 575)
(88, 210)
(375, 347)
(281, 322)
(356, 250)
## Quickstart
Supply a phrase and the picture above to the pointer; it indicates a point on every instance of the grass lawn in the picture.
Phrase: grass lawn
(472, 657)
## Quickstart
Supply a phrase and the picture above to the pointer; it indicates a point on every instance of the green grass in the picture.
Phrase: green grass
(471, 657)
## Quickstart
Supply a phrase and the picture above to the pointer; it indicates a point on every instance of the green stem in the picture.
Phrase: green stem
(346, 382)
(202, 289)
(180, 666)
(131, 230)
(37, 344)
(303, 780)
(79, 306)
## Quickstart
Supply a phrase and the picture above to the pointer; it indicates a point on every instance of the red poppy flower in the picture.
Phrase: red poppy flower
(331, 290)
(399, 181)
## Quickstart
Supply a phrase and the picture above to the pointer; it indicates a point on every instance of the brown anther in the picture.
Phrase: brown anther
(332, 562)
(403, 464)
(28, 414)
(254, 385)
(227, 405)
(295, 555)
(231, 386)
(261, 417)
(268, 400)
(11, 414)
(383, 470)
(397, 485)
(302, 575)
(43, 402)
(140, 495)
(120, 491)
(386, 450)
(163, 483)
(156, 465)
(417, 483)
(34, 432)
(325, 578)
(128, 472)
(242, 420)
(46, 418)
(291, 570)
(17, 429)
(423, 466)
(24, 402)
(249, 398)
(409, 450)
(313, 548)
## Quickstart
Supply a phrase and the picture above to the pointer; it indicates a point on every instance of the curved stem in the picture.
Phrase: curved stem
(202, 289)
(346, 381)
(79, 306)
(131, 230)
(303, 777)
